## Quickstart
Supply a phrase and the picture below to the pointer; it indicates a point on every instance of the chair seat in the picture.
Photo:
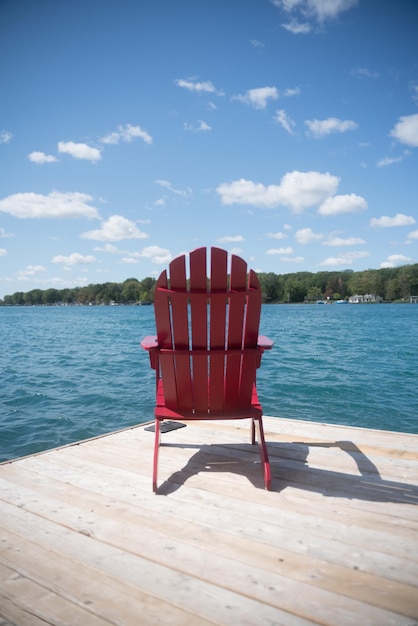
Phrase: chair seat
(163, 412)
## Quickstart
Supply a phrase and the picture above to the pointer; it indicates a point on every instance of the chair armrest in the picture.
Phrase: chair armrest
(264, 342)
(149, 342)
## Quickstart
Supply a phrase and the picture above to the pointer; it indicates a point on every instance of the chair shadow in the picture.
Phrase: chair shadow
(289, 467)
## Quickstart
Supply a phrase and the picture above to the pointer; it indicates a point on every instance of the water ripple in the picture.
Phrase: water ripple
(68, 373)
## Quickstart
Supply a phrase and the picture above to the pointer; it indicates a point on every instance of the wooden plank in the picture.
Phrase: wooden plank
(26, 601)
(109, 455)
(217, 323)
(134, 461)
(179, 368)
(381, 438)
(342, 541)
(204, 601)
(254, 552)
(332, 532)
(151, 558)
(238, 282)
(199, 329)
(90, 595)
(289, 472)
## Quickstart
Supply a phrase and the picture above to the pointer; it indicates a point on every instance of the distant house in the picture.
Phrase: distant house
(371, 297)
(355, 299)
(413, 299)
(366, 298)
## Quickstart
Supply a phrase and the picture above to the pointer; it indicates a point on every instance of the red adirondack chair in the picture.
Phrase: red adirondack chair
(207, 347)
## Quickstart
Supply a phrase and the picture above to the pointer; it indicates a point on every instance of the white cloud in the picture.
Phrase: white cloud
(278, 235)
(79, 151)
(198, 126)
(306, 235)
(3, 252)
(297, 28)
(115, 228)
(5, 136)
(320, 128)
(339, 241)
(288, 250)
(40, 158)
(406, 130)
(348, 203)
(390, 160)
(297, 190)
(295, 91)
(127, 134)
(413, 235)
(4, 234)
(157, 255)
(229, 239)
(315, 11)
(109, 248)
(30, 270)
(344, 259)
(294, 259)
(256, 43)
(364, 72)
(396, 259)
(180, 192)
(55, 204)
(258, 98)
(324, 10)
(199, 87)
(129, 260)
(74, 259)
(285, 120)
(387, 222)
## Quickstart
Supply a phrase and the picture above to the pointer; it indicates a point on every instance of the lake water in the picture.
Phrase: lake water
(69, 373)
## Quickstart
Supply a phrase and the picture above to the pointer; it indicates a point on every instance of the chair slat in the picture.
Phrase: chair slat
(252, 320)
(199, 328)
(238, 281)
(180, 331)
(179, 312)
(218, 308)
(165, 339)
(162, 313)
(250, 361)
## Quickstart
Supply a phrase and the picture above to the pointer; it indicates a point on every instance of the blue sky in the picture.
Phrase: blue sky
(133, 131)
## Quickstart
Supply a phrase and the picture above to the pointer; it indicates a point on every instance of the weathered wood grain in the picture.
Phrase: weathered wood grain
(84, 540)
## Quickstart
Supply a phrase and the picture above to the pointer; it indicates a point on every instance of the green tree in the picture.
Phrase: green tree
(130, 290)
(50, 296)
(313, 294)
(147, 287)
(18, 298)
(270, 287)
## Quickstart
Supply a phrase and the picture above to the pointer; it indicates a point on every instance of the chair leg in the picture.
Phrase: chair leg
(156, 450)
(252, 432)
(264, 454)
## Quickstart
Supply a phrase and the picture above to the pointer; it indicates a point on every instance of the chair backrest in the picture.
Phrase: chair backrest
(207, 329)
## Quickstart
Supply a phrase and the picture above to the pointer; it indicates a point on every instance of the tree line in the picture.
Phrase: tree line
(392, 284)
(131, 291)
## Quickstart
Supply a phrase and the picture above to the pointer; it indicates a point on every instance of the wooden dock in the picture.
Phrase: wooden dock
(84, 541)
